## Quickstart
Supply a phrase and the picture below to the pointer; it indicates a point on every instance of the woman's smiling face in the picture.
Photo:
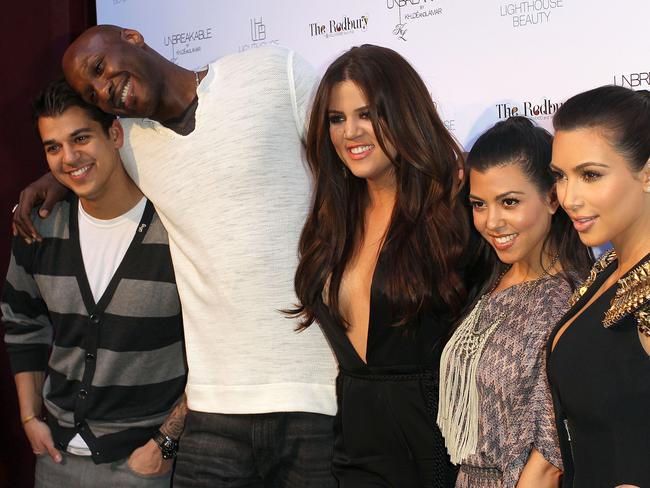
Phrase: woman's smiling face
(510, 212)
(597, 186)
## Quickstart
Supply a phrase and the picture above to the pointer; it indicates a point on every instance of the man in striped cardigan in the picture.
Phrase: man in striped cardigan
(99, 289)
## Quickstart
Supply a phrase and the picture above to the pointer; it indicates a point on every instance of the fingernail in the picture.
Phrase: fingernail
(43, 213)
(28, 240)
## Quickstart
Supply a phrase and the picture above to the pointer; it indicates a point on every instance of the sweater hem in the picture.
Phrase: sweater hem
(254, 399)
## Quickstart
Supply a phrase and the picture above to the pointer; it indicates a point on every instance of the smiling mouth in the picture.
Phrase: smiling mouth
(505, 239)
(501, 243)
(361, 149)
(79, 171)
(121, 101)
(583, 224)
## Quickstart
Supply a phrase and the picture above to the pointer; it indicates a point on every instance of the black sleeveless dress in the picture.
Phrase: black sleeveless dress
(600, 381)
(385, 428)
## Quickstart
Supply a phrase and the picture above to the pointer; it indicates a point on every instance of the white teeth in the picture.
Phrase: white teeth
(361, 149)
(125, 91)
(504, 239)
(80, 171)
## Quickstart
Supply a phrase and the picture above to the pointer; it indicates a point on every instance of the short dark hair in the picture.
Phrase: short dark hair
(58, 97)
(621, 113)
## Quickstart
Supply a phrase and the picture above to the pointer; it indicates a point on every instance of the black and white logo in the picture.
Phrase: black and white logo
(258, 36)
(186, 42)
(409, 11)
(531, 12)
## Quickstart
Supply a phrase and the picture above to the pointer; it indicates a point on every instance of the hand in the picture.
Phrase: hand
(147, 460)
(40, 437)
(47, 191)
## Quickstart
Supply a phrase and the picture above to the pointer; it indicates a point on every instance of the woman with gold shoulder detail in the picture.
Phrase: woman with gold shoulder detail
(599, 353)
(495, 408)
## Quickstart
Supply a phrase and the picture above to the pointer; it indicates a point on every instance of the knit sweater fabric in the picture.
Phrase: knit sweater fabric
(117, 365)
(233, 195)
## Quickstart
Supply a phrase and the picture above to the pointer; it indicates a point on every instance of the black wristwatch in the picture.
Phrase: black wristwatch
(168, 446)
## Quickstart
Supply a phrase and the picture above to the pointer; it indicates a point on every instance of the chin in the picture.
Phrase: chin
(506, 257)
(593, 241)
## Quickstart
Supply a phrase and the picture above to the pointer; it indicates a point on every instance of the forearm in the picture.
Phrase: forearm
(29, 385)
(175, 422)
(539, 473)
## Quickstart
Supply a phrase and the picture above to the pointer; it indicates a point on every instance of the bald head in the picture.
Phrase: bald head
(112, 68)
(99, 37)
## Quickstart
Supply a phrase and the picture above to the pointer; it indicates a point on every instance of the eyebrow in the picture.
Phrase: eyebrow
(360, 109)
(88, 62)
(583, 165)
(500, 195)
(73, 134)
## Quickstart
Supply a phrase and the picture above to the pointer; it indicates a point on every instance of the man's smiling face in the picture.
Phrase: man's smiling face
(110, 68)
(80, 153)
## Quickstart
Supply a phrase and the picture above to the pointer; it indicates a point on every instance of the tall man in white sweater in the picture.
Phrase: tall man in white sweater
(218, 152)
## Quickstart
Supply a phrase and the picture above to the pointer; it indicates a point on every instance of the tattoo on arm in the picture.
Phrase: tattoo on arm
(175, 422)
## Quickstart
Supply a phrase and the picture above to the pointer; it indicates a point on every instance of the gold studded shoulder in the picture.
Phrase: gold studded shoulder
(599, 266)
(632, 296)
(643, 320)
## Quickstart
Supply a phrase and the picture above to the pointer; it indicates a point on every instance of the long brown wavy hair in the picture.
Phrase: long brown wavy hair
(429, 228)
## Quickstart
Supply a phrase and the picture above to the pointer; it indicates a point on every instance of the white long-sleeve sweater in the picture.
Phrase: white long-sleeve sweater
(233, 196)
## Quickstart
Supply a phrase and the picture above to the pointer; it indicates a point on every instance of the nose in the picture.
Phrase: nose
(568, 195)
(495, 219)
(70, 154)
(352, 129)
(103, 89)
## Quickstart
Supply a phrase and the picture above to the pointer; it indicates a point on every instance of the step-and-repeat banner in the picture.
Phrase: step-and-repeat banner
(483, 60)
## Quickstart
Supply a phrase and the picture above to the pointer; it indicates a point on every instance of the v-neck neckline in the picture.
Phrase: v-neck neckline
(373, 280)
(81, 275)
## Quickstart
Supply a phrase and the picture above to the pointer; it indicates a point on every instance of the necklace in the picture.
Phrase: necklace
(632, 294)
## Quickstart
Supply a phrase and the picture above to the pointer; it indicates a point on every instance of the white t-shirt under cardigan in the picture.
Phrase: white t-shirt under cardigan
(233, 195)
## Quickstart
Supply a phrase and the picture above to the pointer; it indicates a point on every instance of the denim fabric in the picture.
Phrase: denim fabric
(80, 472)
(272, 450)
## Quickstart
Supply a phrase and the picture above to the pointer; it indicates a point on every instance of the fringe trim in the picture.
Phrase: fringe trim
(458, 411)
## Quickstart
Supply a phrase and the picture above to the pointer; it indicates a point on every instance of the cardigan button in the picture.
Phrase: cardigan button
(94, 319)
(83, 394)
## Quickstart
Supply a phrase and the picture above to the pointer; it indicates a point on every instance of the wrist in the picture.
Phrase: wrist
(30, 418)
(167, 445)
(27, 419)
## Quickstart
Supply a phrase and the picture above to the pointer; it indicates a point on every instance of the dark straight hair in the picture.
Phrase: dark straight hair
(58, 97)
(429, 228)
(622, 114)
(518, 141)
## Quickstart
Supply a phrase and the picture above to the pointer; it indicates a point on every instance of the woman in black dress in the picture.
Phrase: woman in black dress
(599, 364)
(381, 264)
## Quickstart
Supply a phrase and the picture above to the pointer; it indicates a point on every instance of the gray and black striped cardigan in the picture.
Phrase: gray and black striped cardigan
(116, 367)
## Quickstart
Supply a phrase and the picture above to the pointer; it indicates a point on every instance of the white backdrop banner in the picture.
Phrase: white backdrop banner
(483, 60)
